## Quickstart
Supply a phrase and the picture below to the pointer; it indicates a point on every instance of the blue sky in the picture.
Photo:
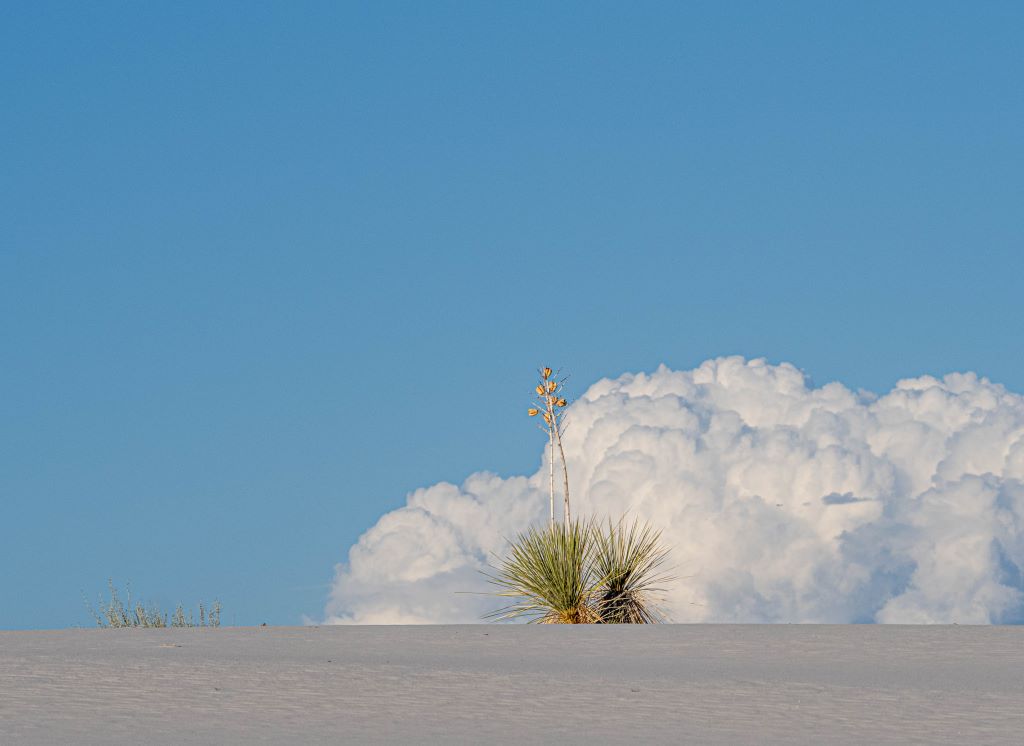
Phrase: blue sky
(265, 268)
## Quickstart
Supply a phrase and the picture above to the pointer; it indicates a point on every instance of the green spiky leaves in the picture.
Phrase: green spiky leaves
(582, 573)
(629, 560)
(550, 574)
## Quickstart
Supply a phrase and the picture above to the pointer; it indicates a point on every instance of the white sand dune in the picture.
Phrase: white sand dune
(471, 684)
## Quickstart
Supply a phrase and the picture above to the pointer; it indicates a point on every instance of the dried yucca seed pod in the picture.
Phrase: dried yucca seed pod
(561, 402)
(533, 412)
(540, 390)
(547, 418)
(546, 373)
(552, 386)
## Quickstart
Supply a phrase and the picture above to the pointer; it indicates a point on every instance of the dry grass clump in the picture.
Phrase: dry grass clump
(116, 614)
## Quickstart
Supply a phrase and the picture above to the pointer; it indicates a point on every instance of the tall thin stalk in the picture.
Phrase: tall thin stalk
(551, 473)
(552, 407)
(565, 468)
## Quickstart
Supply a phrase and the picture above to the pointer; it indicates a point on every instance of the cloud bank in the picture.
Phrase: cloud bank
(781, 502)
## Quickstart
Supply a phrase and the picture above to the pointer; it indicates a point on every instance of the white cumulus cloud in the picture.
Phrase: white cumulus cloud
(781, 502)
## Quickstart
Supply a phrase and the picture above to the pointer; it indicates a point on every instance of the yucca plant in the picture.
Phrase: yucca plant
(576, 572)
(583, 573)
(629, 560)
(550, 574)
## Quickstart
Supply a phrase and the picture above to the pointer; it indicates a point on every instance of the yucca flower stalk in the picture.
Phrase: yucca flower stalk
(550, 574)
(552, 406)
(629, 561)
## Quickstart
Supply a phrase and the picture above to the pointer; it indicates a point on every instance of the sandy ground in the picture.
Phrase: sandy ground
(471, 684)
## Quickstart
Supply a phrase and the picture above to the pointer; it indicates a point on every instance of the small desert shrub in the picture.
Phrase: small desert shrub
(118, 614)
(583, 573)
